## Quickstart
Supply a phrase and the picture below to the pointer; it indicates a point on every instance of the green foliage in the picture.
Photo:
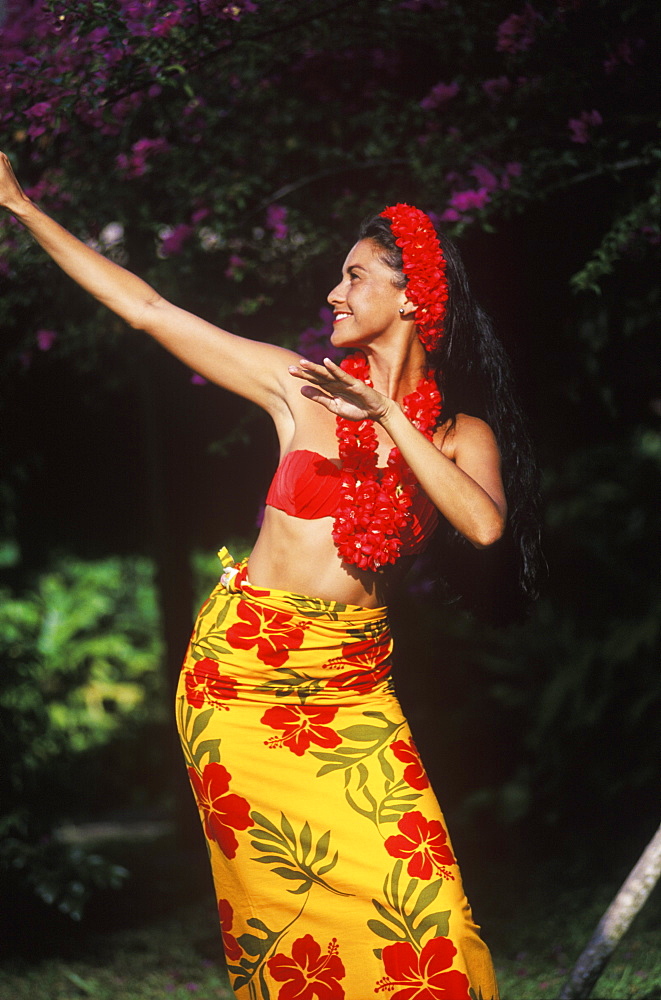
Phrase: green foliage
(80, 656)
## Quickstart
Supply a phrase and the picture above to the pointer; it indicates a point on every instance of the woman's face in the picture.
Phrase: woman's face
(365, 303)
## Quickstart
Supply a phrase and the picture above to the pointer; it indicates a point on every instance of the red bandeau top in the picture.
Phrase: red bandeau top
(308, 485)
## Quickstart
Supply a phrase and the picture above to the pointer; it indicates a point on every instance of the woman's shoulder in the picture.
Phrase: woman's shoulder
(465, 432)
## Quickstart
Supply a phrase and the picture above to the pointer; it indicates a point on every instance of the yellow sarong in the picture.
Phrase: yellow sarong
(334, 873)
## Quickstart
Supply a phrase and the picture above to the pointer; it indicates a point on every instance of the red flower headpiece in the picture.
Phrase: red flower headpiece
(424, 268)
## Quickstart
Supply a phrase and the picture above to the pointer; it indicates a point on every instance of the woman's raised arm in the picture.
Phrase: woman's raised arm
(252, 369)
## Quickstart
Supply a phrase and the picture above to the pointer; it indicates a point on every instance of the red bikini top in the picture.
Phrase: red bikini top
(308, 485)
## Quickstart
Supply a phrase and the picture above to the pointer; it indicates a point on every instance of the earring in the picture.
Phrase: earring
(402, 311)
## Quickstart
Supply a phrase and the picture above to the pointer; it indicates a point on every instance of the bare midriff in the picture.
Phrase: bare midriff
(299, 556)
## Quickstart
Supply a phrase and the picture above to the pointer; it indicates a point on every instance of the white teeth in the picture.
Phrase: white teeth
(341, 315)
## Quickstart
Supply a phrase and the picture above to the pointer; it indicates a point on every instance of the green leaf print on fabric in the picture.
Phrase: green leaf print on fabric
(346, 756)
(191, 724)
(289, 856)
(399, 921)
(393, 798)
(290, 682)
(315, 607)
(204, 625)
(258, 948)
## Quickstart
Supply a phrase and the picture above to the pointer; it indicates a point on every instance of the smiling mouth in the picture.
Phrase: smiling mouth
(339, 316)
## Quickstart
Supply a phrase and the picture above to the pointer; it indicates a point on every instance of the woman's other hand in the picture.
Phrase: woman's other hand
(339, 392)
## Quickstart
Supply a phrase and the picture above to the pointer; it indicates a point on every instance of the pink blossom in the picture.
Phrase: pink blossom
(275, 220)
(580, 127)
(234, 270)
(98, 35)
(198, 379)
(463, 201)
(484, 177)
(199, 215)
(496, 87)
(39, 110)
(135, 164)
(174, 243)
(622, 54)
(45, 339)
(438, 95)
(511, 170)
(518, 31)
(314, 342)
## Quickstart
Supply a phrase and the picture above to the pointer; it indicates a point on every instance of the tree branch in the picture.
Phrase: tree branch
(615, 922)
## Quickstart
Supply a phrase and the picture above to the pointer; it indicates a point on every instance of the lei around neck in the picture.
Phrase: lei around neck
(424, 267)
(374, 503)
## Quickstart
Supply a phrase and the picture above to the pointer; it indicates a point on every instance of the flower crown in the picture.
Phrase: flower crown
(424, 268)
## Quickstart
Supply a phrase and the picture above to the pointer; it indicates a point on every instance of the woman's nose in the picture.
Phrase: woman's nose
(335, 295)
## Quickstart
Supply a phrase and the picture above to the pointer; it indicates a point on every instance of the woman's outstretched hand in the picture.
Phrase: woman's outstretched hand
(339, 392)
(11, 194)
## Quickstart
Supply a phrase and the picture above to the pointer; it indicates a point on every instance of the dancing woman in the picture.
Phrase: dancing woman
(334, 872)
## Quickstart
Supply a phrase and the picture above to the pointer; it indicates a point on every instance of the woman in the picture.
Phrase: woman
(334, 873)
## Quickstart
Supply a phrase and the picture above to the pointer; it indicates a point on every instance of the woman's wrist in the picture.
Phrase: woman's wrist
(19, 206)
(392, 411)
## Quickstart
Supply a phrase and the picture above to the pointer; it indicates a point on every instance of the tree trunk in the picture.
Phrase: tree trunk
(615, 922)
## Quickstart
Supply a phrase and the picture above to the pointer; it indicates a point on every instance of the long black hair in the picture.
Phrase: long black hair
(474, 376)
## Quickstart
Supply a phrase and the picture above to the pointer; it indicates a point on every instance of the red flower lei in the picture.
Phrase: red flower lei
(374, 502)
(424, 267)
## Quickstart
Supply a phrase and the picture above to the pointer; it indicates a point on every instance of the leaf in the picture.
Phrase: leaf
(385, 932)
(306, 841)
(288, 830)
(368, 813)
(362, 733)
(412, 886)
(263, 821)
(327, 768)
(288, 873)
(322, 848)
(441, 921)
(259, 924)
(200, 723)
(386, 766)
(223, 613)
(217, 647)
(363, 775)
(303, 887)
(386, 914)
(252, 945)
(268, 836)
(327, 868)
(212, 747)
(270, 859)
(426, 897)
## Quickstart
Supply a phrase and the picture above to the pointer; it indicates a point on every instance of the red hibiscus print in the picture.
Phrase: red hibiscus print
(368, 662)
(274, 633)
(414, 774)
(223, 811)
(308, 973)
(230, 944)
(424, 842)
(205, 683)
(301, 725)
(422, 977)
